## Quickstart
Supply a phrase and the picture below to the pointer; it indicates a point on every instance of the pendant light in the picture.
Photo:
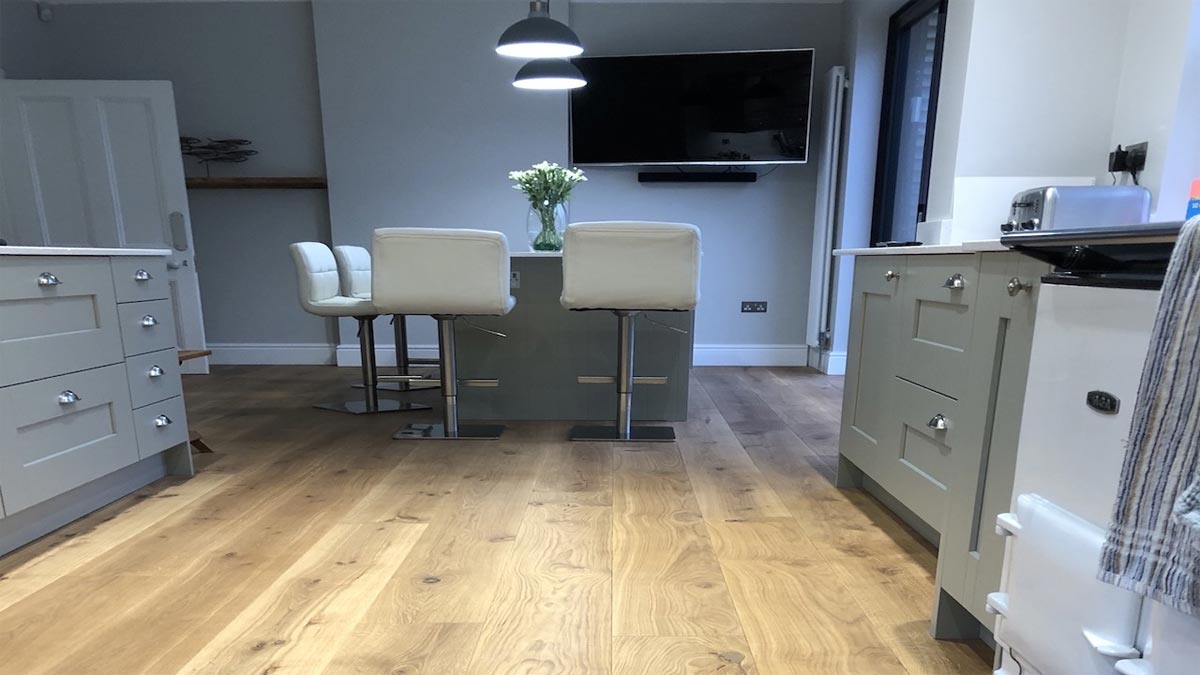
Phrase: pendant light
(539, 36)
(549, 74)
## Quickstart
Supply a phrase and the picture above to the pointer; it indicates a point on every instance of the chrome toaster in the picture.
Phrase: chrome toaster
(1076, 206)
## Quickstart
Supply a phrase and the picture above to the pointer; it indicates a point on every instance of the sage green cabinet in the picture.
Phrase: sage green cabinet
(874, 314)
(937, 359)
(972, 554)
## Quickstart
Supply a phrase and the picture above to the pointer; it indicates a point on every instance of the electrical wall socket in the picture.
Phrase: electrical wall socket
(514, 280)
(754, 306)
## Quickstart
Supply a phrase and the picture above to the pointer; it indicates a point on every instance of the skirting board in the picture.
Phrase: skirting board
(272, 354)
(830, 363)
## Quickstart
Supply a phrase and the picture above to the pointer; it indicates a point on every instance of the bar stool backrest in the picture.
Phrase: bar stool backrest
(440, 272)
(631, 265)
(316, 275)
(354, 270)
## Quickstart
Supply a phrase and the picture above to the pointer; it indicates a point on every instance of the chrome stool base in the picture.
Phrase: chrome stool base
(589, 432)
(364, 408)
(466, 432)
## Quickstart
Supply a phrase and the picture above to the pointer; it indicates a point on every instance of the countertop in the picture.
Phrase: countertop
(980, 246)
(75, 250)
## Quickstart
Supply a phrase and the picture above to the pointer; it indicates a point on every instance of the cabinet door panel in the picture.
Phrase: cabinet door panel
(971, 557)
(49, 445)
(870, 366)
(920, 468)
(937, 321)
(147, 326)
(50, 329)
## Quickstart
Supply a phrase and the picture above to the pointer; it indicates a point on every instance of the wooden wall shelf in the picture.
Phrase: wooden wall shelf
(256, 183)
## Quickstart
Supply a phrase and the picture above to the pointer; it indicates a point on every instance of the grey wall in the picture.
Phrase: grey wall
(757, 238)
(244, 69)
(422, 125)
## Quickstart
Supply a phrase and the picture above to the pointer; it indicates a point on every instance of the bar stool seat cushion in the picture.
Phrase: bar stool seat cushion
(631, 265)
(419, 270)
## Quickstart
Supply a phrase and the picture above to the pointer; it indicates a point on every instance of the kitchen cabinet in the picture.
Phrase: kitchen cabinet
(937, 357)
(91, 400)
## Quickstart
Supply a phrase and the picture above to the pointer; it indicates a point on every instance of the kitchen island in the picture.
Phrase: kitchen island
(548, 347)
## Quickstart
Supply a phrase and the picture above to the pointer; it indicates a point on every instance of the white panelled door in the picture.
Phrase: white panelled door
(97, 163)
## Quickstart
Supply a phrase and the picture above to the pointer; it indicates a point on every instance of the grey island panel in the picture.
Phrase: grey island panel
(548, 347)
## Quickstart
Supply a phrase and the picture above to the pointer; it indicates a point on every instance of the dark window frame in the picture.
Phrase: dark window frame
(892, 113)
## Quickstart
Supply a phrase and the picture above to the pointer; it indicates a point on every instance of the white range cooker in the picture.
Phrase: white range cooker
(1094, 318)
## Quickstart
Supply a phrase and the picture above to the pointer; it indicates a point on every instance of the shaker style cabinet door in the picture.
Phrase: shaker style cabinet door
(57, 315)
(866, 411)
(972, 554)
(939, 292)
(62, 432)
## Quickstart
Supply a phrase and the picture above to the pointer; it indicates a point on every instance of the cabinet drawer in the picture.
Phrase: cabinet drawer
(937, 321)
(147, 326)
(923, 452)
(138, 279)
(60, 433)
(57, 315)
(160, 426)
(153, 377)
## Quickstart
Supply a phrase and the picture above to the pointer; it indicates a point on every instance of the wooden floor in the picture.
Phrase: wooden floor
(313, 543)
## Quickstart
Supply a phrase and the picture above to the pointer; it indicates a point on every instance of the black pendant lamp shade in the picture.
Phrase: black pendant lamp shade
(549, 74)
(539, 36)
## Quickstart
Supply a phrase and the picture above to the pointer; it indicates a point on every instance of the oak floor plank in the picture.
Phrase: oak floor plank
(799, 619)
(406, 649)
(197, 575)
(724, 479)
(894, 592)
(666, 579)
(642, 655)
(552, 610)
(80, 550)
(298, 622)
(451, 575)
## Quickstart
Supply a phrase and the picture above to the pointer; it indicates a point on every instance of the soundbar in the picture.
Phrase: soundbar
(697, 177)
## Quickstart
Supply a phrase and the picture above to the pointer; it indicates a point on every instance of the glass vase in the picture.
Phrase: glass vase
(546, 225)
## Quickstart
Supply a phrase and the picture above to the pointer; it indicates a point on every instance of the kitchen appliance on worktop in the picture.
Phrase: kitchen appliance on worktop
(1092, 329)
(1069, 207)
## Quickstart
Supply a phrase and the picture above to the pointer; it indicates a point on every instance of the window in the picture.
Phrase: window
(910, 88)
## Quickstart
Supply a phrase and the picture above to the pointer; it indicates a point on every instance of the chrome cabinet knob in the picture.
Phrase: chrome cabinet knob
(68, 396)
(156, 371)
(891, 275)
(48, 279)
(1015, 286)
(955, 282)
(162, 421)
(142, 275)
(939, 423)
(149, 321)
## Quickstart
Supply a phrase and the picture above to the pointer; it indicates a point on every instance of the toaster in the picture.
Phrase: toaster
(1078, 206)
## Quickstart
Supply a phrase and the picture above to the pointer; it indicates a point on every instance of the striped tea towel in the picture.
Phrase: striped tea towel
(1153, 544)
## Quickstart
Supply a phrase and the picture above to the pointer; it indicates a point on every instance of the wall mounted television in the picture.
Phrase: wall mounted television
(713, 108)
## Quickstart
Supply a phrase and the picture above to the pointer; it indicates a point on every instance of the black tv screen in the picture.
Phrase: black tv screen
(728, 108)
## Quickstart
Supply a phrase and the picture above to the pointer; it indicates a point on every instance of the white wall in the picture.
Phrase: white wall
(1158, 97)
(1030, 92)
(244, 69)
(422, 125)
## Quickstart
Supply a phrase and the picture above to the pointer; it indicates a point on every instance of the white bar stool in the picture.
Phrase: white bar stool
(446, 274)
(627, 268)
(354, 270)
(317, 274)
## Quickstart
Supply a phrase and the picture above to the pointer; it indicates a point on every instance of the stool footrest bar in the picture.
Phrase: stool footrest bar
(480, 383)
(608, 379)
